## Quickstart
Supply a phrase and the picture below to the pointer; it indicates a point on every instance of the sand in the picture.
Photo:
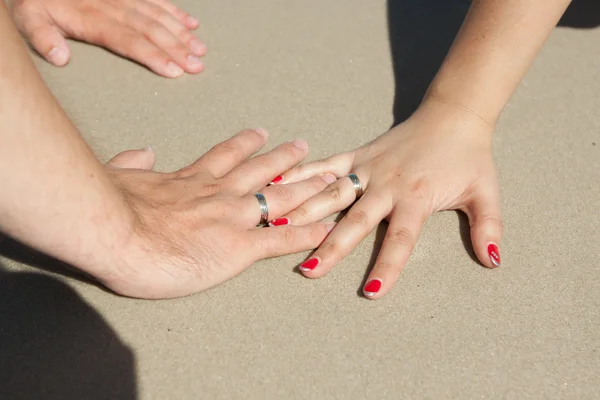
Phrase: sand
(323, 71)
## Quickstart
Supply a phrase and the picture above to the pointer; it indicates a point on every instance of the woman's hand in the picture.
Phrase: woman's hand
(154, 33)
(439, 159)
(196, 228)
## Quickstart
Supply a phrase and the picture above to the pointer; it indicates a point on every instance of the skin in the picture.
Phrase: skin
(438, 159)
(139, 232)
(154, 33)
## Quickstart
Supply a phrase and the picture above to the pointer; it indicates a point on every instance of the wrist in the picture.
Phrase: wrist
(461, 106)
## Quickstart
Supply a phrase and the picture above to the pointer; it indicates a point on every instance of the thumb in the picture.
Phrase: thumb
(45, 38)
(134, 159)
(485, 219)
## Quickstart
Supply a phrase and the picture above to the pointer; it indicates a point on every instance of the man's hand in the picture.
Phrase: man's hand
(154, 33)
(195, 228)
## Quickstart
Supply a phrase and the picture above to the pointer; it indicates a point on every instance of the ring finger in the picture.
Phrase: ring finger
(336, 197)
(281, 199)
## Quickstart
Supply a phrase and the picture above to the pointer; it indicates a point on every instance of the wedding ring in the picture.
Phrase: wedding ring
(264, 209)
(358, 189)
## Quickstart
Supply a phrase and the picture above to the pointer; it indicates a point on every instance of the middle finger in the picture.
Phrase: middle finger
(360, 220)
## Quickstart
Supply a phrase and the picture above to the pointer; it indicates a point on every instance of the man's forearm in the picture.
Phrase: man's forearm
(55, 195)
(492, 52)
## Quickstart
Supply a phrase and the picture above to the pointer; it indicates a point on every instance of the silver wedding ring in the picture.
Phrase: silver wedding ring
(358, 189)
(264, 209)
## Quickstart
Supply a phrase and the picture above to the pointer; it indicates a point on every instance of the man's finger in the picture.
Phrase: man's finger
(281, 199)
(274, 242)
(339, 165)
(134, 159)
(257, 172)
(227, 155)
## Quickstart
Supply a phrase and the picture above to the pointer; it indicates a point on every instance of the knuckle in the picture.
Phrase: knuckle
(331, 249)
(228, 148)
(401, 236)
(152, 27)
(493, 220)
(357, 217)
(283, 194)
(289, 236)
(300, 214)
(211, 189)
(155, 12)
(384, 267)
(334, 193)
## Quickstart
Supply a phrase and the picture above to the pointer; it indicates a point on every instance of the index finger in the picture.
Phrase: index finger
(360, 220)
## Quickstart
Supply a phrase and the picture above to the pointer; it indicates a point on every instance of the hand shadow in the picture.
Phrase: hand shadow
(53, 345)
(23, 254)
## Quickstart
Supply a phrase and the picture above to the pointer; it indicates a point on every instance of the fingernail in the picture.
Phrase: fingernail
(309, 264)
(329, 178)
(330, 225)
(276, 180)
(372, 287)
(279, 222)
(193, 62)
(197, 47)
(494, 254)
(262, 131)
(148, 148)
(174, 70)
(301, 144)
(58, 56)
(193, 21)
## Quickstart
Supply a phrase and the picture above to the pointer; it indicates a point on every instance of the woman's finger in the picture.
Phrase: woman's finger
(288, 239)
(360, 220)
(227, 155)
(257, 172)
(400, 239)
(157, 33)
(186, 19)
(172, 24)
(485, 219)
(281, 199)
(44, 36)
(336, 197)
(339, 165)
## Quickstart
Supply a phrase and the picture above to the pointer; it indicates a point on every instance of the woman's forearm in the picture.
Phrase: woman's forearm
(55, 195)
(496, 45)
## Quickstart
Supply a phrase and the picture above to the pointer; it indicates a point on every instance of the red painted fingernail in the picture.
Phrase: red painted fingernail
(494, 254)
(276, 180)
(279, 222)
(372, 287)
(309, 264)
